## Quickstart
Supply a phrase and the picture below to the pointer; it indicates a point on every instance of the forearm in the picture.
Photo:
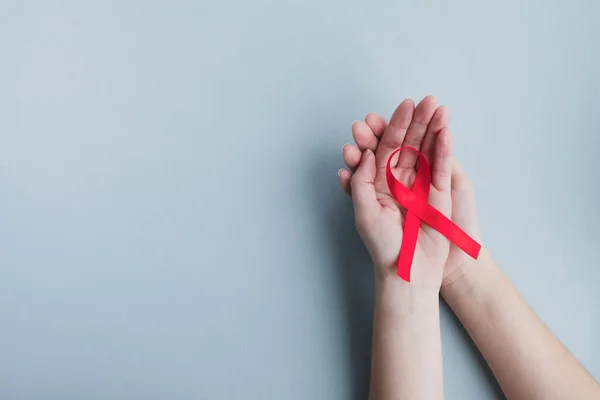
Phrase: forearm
(407, 356)
(528, 361)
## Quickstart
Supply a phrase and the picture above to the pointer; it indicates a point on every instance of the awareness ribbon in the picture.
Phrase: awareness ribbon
(417, 210)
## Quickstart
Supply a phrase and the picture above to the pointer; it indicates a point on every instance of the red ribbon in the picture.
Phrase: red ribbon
(417, 210)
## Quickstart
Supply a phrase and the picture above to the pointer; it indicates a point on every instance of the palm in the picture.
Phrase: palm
(432, 247)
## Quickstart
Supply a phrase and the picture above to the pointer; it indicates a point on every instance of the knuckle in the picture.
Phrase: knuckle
(413, 141)
(443, 173)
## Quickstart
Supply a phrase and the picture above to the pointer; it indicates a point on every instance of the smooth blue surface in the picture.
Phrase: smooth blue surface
(171, 225)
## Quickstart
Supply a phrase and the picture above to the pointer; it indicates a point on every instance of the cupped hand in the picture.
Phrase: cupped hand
(379, 217)
(369, 134)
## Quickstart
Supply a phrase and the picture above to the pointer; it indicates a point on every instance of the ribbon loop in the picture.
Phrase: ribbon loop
(418, 209)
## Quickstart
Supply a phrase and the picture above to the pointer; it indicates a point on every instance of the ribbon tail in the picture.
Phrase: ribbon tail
(409, 242)
(446, 227)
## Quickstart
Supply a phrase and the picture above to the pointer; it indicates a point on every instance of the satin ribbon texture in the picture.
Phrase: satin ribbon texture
(418, 209)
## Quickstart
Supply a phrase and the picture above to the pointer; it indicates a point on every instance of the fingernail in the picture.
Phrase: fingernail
(346, 144)
(340, 171)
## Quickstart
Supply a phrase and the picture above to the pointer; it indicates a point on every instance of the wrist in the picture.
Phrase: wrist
(468, 277)
(425, 277)
(404, 296)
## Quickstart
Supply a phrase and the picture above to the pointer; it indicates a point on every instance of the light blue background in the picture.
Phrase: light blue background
(171, 225)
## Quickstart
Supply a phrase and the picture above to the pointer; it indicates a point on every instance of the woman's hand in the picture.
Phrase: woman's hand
(368, 135)
(379, 218)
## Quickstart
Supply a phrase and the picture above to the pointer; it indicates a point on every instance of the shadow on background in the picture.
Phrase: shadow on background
(351, 263)
(354, 271)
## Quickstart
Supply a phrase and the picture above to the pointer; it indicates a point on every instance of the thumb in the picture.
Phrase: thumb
(363, 191)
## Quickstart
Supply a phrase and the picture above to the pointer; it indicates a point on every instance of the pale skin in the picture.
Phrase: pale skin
(528, 361)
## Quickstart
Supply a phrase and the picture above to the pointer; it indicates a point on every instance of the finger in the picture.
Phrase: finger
(441, 169)
(416, 131)
(363, 191)
(438, 121)
(377, 124)
(345, 177)
(363, 136)
(394, 134)
(351, 155)
(459, 179)
(457, 173)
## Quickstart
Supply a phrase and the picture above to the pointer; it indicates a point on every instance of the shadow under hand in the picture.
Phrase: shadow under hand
(352, 264)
